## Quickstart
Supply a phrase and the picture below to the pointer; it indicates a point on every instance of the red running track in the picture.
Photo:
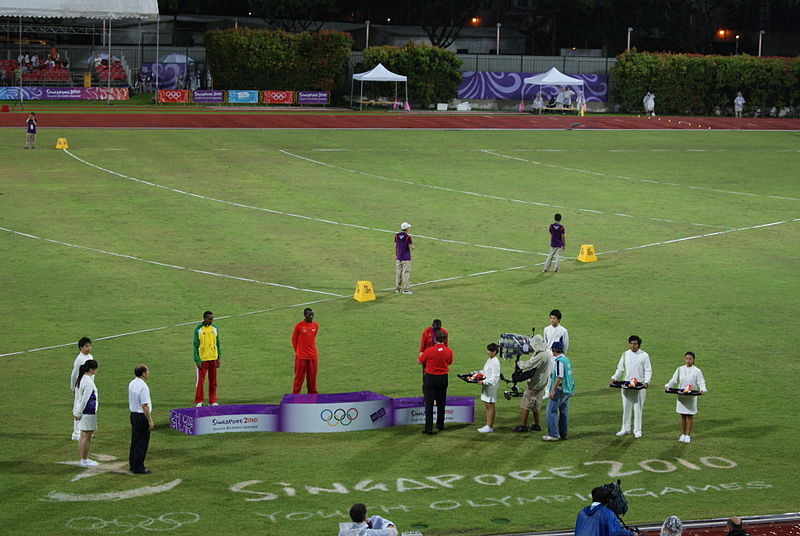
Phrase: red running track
(412, 120)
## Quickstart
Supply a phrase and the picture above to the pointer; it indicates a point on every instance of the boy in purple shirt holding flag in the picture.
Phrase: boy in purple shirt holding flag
(557, 242)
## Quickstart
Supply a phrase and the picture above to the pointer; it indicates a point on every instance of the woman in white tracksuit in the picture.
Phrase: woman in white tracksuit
(687, 378)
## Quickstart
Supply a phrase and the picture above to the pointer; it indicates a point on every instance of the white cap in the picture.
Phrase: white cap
(405, 225)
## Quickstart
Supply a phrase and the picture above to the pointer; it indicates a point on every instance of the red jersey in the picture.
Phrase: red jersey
(437, 359)
(428, 338)
(304, 340)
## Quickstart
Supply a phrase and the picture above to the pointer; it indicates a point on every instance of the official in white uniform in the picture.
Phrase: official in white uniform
(141, 419)
(489, 384)
(633, 365)
(84, 355)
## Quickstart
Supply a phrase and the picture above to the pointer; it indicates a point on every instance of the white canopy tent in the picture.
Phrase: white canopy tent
(379, 73)
(551, 78)
(89, 9)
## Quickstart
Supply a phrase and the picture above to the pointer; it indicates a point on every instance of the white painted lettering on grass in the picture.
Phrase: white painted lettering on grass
(56, 496)
(167, 265)
(512, 501)
(634, 179)
(273, 491)
(128, 523)
(291, 215)
(476, 194)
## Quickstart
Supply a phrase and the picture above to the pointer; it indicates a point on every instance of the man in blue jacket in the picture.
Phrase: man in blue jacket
(598, 520)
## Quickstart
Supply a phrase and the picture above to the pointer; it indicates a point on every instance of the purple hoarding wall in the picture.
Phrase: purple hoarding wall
(313, 97)
(170, 75)
(508, 86)
(64, 93)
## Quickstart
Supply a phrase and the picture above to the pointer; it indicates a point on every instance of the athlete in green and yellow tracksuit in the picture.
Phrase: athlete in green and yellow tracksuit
(206, 357)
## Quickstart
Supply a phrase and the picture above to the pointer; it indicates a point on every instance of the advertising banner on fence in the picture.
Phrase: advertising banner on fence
(64, 93)
(313, 97)
(208, 96)
(243, 96)
(173, 95)
(277, 97)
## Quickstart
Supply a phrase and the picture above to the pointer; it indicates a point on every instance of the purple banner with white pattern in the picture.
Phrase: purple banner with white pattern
(509, 86)
(64, 93)
(170, 75)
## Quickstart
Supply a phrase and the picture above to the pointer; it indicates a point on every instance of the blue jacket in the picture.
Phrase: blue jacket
(598, 520)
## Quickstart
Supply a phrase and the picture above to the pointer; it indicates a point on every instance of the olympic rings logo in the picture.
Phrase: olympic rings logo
(173, 94)
(121, 525)
(338, 416)
(278, 95)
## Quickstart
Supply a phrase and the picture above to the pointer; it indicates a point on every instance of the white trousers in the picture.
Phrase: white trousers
(632, 401)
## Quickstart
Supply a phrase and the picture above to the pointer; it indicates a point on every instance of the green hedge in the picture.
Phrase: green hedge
(433, 73)
(696, 85)
(259, 59)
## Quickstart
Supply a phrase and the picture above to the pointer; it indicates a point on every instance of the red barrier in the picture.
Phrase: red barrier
(277, 97)
(173, 95)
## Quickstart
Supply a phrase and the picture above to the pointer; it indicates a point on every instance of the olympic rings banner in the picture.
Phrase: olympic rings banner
(277, 97)
(243, 96)
(342, 412)
(173, 95)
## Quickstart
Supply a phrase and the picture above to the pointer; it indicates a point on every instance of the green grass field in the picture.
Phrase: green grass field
(730, 296)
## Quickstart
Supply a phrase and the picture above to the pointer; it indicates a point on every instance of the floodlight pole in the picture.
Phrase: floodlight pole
(737, 44)
(760, 35)
(629, 38)
(366, 41)
(497, 48)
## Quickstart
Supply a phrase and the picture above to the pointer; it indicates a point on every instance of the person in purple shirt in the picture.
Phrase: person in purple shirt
(402, 269)
(30, 131)
(557, 242)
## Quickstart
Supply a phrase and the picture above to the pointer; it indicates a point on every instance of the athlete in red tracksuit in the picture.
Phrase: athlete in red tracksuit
(304, 341)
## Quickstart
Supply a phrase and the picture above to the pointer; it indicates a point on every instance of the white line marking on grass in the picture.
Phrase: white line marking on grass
(454, 278)
(476, 194)
(299, 216)
(175, 266)
(623, 177)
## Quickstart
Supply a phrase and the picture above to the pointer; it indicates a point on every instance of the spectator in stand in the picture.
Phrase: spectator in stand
(672, 527)
(3, 77)
(54, 55)
(35, 61)
(64, 63)
(538, 103)
(597, 519)
(735, 527)
(738, 104)
(21, 59)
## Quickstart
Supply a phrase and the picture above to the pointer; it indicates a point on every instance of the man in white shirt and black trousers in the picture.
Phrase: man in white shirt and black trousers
(141, 419)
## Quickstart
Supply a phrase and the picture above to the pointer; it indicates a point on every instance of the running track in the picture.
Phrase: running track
(323, 120)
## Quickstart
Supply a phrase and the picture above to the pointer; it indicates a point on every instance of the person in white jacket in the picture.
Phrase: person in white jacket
(687, 378)
(84, 355)
(633, 366)
(489, 384)
(84, 410)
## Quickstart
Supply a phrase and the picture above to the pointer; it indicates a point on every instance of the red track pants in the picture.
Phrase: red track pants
(305, 368)
(211, 368)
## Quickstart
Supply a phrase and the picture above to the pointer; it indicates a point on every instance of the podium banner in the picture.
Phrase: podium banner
(412, 410)
(173, 95)
(277, 97)
(222, 419)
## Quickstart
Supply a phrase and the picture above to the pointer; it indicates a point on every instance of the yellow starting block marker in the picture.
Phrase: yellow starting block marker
(62, 143)
(364, 291)
(587, 253)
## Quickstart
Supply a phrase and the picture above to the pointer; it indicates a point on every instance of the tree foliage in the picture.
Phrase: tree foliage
(690, 84)
(442, 20)
(295, 15)
(260, 59)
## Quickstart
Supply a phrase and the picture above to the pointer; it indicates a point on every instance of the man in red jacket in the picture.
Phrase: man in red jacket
(304, 341)
(436, 360)
(428, 338)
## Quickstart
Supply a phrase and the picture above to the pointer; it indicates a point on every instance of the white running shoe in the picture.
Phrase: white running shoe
(485, 429)
(215, 404)
(688, 439)
(637, 435)
(199, 405)
(550, 438)
(682, 438)
(76, 437)
(88, 463)
(622, 433)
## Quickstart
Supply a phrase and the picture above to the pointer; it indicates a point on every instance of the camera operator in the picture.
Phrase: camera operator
(597, 519)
